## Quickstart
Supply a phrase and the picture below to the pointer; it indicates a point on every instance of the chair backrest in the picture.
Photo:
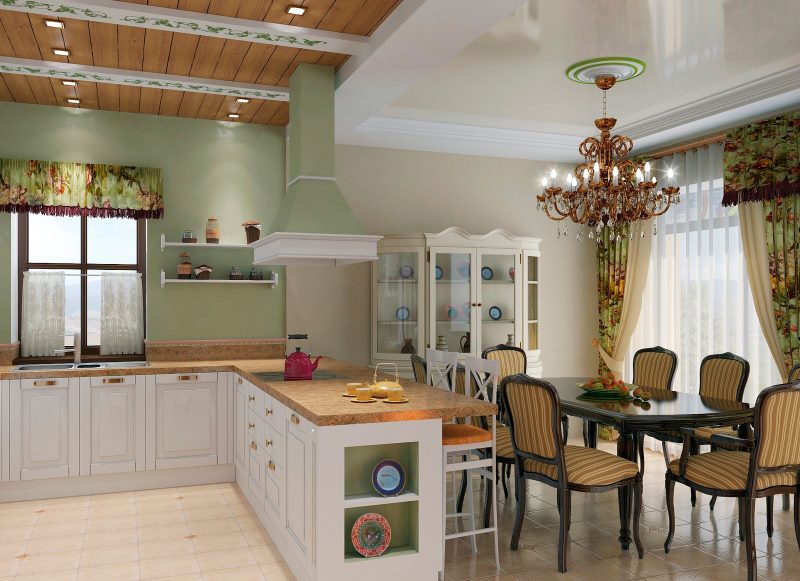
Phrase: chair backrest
(723, 376)
(534, 412)
(441, 371)
(513, 360)
(420, 367)
(776, 429)
(794, 373)
(482, 378)
(654, 367)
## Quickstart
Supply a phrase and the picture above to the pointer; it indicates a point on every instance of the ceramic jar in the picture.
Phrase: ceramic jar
(236, 274)
(212, 231)
(184, 266)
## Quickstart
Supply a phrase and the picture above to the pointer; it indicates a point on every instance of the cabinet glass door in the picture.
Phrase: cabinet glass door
(498, 298)
(397, 278)
(532, 306)
(452, 300)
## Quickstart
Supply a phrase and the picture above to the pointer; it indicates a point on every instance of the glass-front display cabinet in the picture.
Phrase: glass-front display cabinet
(472, 292)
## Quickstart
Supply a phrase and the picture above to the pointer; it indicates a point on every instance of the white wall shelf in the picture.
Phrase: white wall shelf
(204, 245)
(267, 281)
(359, 500)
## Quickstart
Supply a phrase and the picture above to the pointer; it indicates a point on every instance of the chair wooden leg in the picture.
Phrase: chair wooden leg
(786, 502)
(637, 509)
(504, 479)
(694, 449)
(664, 451)
(741, 518)
(797, 515)
(565, 428)
(669, 484)
(640, 449)
(713, 502)
(586, 433)
(770, 522)
(520, 515)
(563, 529)
(749, 505)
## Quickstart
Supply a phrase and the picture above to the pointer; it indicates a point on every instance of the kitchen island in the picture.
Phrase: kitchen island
(300, 452)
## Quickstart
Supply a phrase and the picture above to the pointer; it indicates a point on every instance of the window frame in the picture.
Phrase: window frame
(23, 264)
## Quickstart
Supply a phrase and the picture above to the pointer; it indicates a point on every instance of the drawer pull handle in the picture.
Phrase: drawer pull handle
(251, 398)
(295, 420)
(113, 380)
(251, 426)
(271, 465)
(268, 442)
(268, 411)
(253, 446)
(47, 383)
(187, 378)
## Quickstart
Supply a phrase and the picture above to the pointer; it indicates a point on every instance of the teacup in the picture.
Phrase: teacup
(395, 393)
(363, 393)
(351, 388)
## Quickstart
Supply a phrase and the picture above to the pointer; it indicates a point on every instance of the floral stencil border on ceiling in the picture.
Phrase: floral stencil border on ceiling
(64, 188)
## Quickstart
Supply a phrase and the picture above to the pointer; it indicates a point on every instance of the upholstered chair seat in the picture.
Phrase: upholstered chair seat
(727, 470)
(587, 467)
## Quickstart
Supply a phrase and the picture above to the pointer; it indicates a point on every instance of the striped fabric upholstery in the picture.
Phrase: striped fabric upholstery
(727, 470)
(719, 378)
(779, 430)
(420, 373)
(587, 466)
(511, 361)
(533, 407)
(503, 447)
(653, 369)
(705, 433)
(460, 387)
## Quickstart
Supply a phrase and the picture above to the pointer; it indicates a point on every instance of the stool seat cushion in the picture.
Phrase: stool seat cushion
(455, 434)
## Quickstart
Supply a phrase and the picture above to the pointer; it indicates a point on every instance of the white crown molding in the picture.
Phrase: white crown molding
(200, 23)
(455, 235)
(68, 71)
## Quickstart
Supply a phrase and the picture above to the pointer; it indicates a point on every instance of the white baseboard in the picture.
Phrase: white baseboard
(123, 482)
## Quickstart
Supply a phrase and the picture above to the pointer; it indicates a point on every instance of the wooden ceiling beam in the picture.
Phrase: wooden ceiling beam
(195, 23)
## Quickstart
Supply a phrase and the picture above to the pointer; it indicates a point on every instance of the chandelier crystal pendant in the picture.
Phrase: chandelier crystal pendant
(607, 189)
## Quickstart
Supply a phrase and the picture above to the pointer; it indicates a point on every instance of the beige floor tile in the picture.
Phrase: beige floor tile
(189, 577)
(58, 514)
(114, 498)
(240, 574)
(257, 536)
(110, 523)
(210, 513)
(165, 548)
(110, 538)
(9, 566)
(248, 521)
(54, 544)
(173, 531)
(218, 542)
(99, 556)
(59, 529)
(71, 575)
(47, 562)
(689, 557)
(149, 505)
(118, 572)
(168, 566)
(216, 526)
(14, 520)
(277, 572)
(112, 510)
(153, 519)
(228, 559)
(266, 554)
(15, 533)
(11, 549)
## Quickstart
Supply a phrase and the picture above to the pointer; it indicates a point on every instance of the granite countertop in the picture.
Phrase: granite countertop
(320, 401)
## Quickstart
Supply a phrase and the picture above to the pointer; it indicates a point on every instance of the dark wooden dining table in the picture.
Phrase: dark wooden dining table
(666, 410)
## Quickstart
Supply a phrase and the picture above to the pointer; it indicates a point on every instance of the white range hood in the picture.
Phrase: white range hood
(288, 248)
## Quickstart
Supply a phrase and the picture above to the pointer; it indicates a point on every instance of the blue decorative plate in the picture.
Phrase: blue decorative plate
(439, 273)
(402, 313)
(463, 269)
(388, 478)
(406, 271)
(495, 313)
(487, 273)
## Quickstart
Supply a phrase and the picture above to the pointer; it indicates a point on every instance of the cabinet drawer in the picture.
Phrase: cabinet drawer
(112, 380)
(255, 429)
(274, 486)
(45, 383)
(255, 473)
(185, 378)
(296, 422)
(255, 398)
(273, 412)
(274, 445)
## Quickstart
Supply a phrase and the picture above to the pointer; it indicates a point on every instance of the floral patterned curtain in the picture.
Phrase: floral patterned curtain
(80, 189)
(612, 260)
(762, 160)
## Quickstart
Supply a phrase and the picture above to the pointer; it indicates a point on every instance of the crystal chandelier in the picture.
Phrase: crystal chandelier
(607, 189)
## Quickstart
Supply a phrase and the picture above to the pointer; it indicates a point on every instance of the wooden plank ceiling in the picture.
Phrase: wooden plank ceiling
(25, 36)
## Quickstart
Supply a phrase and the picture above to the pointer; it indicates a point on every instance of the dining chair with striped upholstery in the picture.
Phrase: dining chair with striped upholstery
(420, 368)
(762, 466)
(653, 368)
(540, 454)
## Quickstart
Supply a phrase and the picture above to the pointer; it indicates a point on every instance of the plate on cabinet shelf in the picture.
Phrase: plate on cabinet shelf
(371, 534)
(439, 273)
(487, 273)
(402, 313)
(462, 268)
(495, 313)
(389, 476)
(406, 271)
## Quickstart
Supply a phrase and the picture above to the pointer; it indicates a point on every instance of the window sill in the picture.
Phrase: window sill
(85, 358)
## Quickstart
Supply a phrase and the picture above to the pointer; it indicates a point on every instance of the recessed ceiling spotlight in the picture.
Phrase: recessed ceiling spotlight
(69, 83)
(242, 100)
(74, 101)
(54, 24)
(233, 115)
(61, 52)
(296, 10)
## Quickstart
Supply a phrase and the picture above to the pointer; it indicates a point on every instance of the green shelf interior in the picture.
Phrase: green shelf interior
(359, 462)
(403, 519)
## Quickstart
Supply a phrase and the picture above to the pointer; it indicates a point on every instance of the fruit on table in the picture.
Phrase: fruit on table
(606, 381)
(641, 394)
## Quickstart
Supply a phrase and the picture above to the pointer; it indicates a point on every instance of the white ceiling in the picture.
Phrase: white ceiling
(710, 64)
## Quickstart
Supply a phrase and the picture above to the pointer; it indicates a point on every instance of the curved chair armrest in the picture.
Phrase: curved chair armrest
(727, 440)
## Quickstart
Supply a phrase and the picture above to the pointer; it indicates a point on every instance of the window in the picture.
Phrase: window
(81, 246)
(697, 297)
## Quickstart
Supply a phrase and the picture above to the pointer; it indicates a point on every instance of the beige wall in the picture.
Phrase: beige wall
(394, 191)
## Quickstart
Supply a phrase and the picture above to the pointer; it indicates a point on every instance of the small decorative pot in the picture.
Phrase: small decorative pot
(203, 272)
(441, 345)
(510, 341)
(256, 274)
(188, 237)
(236, 274)
(408, 347)
(252, 230)
(212, 231)
(184, 266)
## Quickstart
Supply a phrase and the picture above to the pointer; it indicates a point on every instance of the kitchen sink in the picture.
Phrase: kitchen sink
(92, 365)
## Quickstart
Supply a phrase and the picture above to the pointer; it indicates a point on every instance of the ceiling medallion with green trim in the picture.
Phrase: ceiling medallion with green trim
(621, 68)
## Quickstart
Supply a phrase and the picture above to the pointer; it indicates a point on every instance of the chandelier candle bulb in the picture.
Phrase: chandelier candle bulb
(585, 177)
(647, 170)
(596, 172)
(615, 173)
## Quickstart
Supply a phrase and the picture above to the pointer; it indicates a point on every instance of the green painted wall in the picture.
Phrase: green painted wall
(232, 171)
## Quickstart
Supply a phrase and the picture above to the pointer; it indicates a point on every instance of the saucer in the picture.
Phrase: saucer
(347, 395)
(370, 400)
(404, 400)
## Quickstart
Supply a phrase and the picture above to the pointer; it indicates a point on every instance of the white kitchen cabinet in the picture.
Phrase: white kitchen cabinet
(4, 387)
(44, 428)
(474, 292)
(241, 443)
(186, 419)
(299, 489)
(112, 424)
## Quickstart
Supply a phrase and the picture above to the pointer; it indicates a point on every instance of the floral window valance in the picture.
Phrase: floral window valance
(61, 188)
(762, 160)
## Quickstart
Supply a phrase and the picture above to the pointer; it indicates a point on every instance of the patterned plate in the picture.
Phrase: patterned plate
(371, 534)
(389, 476)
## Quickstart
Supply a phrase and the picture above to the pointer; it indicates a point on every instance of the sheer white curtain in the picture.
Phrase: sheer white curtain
(697, 299)
(121, 314)
(43, 307)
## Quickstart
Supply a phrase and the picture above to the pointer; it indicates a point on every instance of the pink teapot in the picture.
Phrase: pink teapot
(298, 365)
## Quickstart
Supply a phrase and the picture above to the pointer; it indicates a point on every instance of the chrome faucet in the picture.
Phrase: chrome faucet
(76, 349)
